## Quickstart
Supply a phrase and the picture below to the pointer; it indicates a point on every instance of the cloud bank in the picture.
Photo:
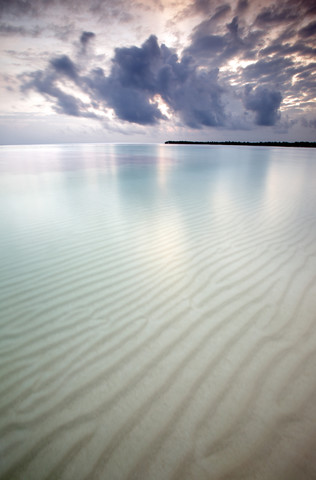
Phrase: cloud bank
(140, 79)
(242, 65)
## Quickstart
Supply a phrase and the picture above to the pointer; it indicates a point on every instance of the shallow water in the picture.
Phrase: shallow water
(157, 312)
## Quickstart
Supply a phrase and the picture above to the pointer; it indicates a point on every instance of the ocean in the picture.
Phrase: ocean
(158, 312)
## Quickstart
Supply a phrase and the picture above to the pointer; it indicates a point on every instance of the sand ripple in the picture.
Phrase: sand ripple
(165, 350)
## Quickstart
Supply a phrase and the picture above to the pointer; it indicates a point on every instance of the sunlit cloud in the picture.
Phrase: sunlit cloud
(198, 65)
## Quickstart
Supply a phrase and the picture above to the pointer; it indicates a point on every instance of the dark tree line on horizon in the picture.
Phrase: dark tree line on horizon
(252, 144)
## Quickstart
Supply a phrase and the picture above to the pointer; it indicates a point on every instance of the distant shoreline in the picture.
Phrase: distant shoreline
(250, 144)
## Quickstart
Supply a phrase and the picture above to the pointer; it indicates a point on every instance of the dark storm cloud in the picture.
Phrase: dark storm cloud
(17, 7)
(274, 70)
(45, 82)
(198, 100)
(204, 43)
(85, 40)
(215, 49)
(304, 86)
(233, 27)
(206, 46)
(64, 66)
(132, 83)
(68, 104)
(61, 32)
(276, 14)
(201, 6)
(242, 6)
(86, 37)
(286, 68)
(137, 75)
(11, 30)
(305, 70)
(309, 6)
(286, 12)
(287, 49)
(308, 31)
(265, 103)
(128, 89)
(221, 12)
(208, 8)
(206, 27)
(14, 30)
(136, 67)
(195, 84)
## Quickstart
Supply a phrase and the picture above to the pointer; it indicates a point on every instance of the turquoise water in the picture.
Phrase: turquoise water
(52, 196)
(144, 287)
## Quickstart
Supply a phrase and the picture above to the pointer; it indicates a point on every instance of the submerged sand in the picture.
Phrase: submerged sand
(144, 352)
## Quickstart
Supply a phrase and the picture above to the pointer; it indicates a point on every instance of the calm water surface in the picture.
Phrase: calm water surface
(157, 312)
(60, 202)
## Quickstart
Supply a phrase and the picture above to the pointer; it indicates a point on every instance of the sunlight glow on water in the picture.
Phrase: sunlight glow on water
(51, 196)
(64, 201)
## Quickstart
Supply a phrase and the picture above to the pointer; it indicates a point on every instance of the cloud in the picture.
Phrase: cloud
(64, 66)
(309, 123)
(17, 7)
(84, 43)
(288, 68)
(271, 70)
(86, 37)
(201, 6)
(139, 80)
(101, 10)
(45, 82)
(286, 12)
(308, 31)
(242, 6)
(219, 49)
(265, 103)
(206, 8)
(14, 30)
(129, 89)
(221, 12)
(136, 66)
(276, 14)
(132, 84)
(198, 100)
(139, 74)
(206, 27)
(61, 32)
(199, 85)
(307, 6)
(207, 46)
(216, 49)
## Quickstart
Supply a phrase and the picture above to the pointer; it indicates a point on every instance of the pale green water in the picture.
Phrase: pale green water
(59, 203)
(129, 270)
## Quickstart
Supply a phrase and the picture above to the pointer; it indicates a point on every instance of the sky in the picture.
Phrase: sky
(139, 71)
